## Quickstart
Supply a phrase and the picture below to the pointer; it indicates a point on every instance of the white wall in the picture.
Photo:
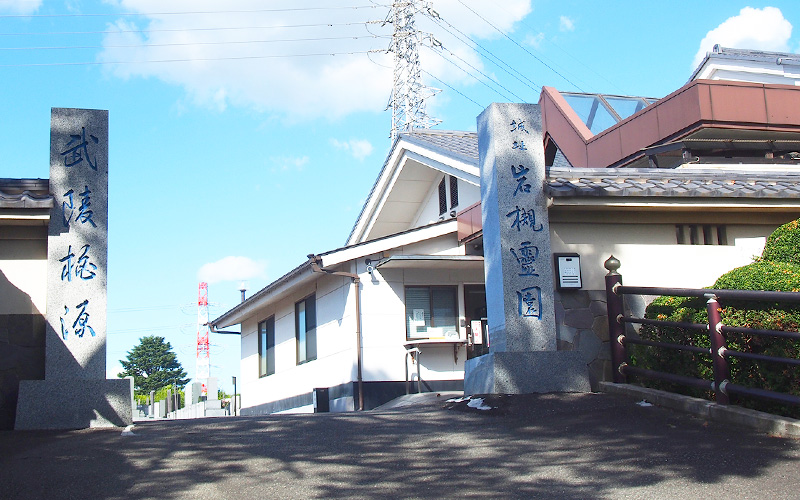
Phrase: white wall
(650, 256)
(335, 345)
(443, 245)
(468, 194)
(383, 331)
(23, 263)
(385, 324)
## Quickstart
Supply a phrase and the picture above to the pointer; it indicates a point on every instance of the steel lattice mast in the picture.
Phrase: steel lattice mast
(408, 91)
(203, 364)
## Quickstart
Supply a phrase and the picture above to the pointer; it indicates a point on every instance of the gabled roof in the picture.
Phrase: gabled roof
(304, 273)
(416, 159)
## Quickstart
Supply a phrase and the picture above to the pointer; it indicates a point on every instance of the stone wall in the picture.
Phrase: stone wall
(21, 358)
(582, 325)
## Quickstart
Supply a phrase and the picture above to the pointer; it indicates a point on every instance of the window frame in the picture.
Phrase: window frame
(701, 234)
(433, 320)
(266, 353)
(442, 196)
(302, 337)
(453, 192)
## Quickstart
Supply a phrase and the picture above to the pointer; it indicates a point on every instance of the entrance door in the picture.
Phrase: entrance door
(475, 312)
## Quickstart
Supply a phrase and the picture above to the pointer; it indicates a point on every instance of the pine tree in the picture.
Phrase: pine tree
(153, 365)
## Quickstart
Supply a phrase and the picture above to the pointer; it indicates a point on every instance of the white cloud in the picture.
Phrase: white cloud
(535, 41)
(232, 268)
(566, 24)
(254, 54)
(760, 29)
(20, 6)
(286, 163)
(358, 148)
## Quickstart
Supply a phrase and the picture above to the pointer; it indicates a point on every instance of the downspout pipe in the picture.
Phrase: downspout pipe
(315, 262)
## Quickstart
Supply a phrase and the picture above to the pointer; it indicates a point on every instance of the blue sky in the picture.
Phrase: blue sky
(239, 144)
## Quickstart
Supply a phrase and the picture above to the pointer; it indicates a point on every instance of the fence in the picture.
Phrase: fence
(720, 354)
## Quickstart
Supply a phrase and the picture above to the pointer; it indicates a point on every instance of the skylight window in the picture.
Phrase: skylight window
(626, 106)
(599, 112)
(592, 111)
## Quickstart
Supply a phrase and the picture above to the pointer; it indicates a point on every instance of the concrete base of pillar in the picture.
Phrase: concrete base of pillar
(526, 373)
(74, 404)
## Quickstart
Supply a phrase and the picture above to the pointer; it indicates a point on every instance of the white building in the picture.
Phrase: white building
(420, 291)
(680, 189)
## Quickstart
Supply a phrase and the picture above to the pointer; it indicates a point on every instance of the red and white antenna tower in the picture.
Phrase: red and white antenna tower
(202, 369)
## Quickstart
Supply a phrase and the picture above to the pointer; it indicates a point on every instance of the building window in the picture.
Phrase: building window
(305, 321)
(453, 192)
(442, 197)
(266, 347)
(431, 311)
(701, 234)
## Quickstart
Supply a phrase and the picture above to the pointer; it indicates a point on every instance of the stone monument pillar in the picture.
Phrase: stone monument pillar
(75, 392)
(523, 356)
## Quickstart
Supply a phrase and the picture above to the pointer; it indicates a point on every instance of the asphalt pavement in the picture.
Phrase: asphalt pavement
(565, 446)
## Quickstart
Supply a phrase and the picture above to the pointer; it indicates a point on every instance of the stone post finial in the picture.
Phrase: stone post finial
(612, 264)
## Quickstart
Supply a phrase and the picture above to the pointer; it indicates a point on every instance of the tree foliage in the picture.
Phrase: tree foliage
(153, 365)
(778, 269)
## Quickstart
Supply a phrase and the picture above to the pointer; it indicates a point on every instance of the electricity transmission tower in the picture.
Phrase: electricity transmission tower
(408, 92)
(203, 363)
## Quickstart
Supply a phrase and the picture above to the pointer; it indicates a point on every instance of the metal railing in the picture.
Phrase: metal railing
(720, 354)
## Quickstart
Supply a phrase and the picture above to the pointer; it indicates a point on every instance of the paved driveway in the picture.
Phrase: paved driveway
(544, 446)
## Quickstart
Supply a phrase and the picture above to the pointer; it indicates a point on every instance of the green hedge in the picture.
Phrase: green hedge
(783, 244)
(764, 274)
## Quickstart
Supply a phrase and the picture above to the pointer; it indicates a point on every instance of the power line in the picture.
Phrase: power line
(151, 14)
(181, 30)
(532, 85)
(185, 44)
(520, 46)
(574, 58)
(481, 72)
(506, 97)
(453, 89)
(193, 59)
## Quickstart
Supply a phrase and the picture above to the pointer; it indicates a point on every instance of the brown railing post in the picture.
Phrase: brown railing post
(722, 371)
(616, 330)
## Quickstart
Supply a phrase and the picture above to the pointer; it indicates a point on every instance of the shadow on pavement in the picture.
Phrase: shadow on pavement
(540, 446)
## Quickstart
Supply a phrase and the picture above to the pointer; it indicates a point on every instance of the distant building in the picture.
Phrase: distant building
(680, 189)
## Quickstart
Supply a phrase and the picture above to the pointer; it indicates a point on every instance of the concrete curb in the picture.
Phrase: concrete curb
(763, 422)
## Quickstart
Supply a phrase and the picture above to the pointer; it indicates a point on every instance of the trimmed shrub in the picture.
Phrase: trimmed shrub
(765, 274)
(783, 244)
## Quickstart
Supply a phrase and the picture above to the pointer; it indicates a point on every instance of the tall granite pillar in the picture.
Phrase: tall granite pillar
(75, 392)
(523, 357)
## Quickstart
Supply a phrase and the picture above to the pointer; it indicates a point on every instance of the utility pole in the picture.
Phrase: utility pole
(408, 92)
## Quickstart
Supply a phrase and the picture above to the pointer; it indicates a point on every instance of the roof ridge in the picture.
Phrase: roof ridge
(463, 133)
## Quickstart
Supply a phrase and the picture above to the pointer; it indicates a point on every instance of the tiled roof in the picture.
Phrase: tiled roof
(463, 143)
(607, 182)
(25, 193)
